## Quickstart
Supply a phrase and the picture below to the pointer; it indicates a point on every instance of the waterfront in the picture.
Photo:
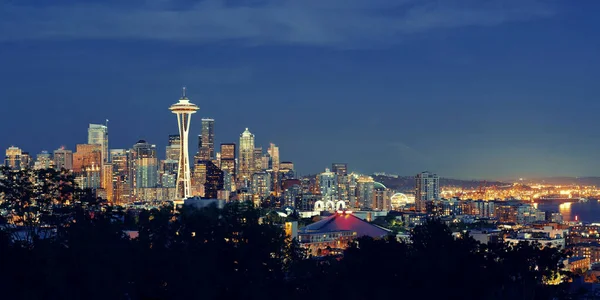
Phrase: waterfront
(587, 212)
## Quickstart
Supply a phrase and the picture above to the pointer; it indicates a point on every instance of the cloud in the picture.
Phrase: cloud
(258, 22)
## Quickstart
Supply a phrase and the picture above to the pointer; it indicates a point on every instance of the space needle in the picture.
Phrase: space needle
(184, 110)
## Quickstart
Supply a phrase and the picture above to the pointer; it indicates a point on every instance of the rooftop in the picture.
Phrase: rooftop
(345, 221)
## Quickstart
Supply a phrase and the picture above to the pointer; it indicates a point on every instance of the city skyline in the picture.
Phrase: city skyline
(461, 88)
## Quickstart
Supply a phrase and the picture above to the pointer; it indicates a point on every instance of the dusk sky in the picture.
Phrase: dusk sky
(464, 88)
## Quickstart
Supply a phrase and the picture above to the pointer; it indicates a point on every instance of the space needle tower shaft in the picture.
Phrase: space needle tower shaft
(184, 110)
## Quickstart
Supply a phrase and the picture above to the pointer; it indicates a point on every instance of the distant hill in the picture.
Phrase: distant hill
(407, 183)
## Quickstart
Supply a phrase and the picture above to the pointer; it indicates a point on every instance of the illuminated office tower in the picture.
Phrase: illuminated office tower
(328, 186)
(87, 157)
(107, 182)
(168, 174)
(26, 160)
(184, 110)
(427, 188)
(199, 178)
(274, 153)
(365, 189)
(173, 148)
(121, 176)
(341, 170)
(381, 197)
(288, 165)
(13, 158)
(228, 159)
(98, 135)
(267, 163)
(146, 165)
(286, 170)
(214, 181)
(43, 161)
(275, 166)
(246, 157)
(207, 140)
(257, 158)
(63, 159)
(261, 185)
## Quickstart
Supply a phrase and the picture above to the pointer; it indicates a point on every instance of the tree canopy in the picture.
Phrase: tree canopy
(228, 253)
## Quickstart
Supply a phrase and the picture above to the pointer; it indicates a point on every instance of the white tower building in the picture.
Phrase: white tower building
(184, 110)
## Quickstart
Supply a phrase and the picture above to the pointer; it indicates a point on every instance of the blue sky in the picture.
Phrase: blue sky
(464, 88)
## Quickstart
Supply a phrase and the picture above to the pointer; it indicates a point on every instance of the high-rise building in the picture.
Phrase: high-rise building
(274, 153)
(246, 157)
(341, 169)
(122, 191)
(174, 140)
(427, 188)
(86, 157)
(228, 159)
(173, 148)
(13, 158)
(261, 185)
(286, 171)
(43, 161)
(381, 197)
(146, 165)
(98, 135)
(267, 163)
(258, 161)
(275, 166)
(63, 159)
(107, 182)
(288, 165)
(184, 110)
(199, 177)
(26, 160)
(365, 188)
(214, 181)
(328, 186)
(207, 140)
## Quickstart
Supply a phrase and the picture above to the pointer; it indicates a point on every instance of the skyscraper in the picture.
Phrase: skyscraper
(13, 158)
(63, 159)
(365, 188)
(98, 135)
(26, 160)
(121, 175)
(341, 170)
(228, 159)
(43, 161)
(173, 148)
(275, 166)
(328, 186)
(146, 165)
(87, 156)
(427, 188)
(257, 158)
(214, 181)
(107, 182)
(274, 153)
(261, 185)
(184, 110)
(207, 140)
(246, 156)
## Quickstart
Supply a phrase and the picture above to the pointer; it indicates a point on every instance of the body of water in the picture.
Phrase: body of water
(586, 212)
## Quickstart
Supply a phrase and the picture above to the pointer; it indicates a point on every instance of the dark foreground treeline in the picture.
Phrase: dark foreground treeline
(229, 254)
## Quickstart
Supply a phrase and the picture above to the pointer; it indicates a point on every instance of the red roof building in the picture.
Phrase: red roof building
(335, 232)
